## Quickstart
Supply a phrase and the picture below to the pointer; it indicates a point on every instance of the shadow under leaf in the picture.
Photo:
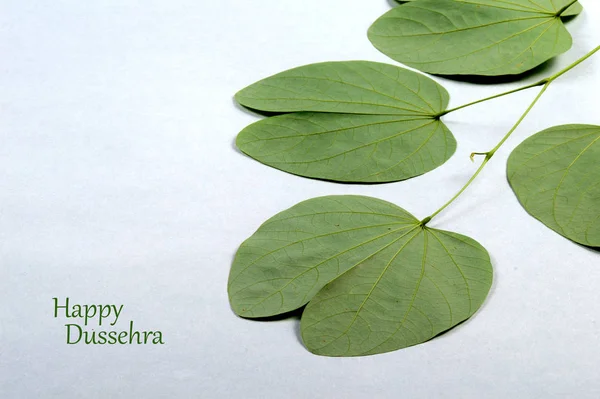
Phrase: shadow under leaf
(539, 71)
(294, 314)
(252, 111)
(592, 249)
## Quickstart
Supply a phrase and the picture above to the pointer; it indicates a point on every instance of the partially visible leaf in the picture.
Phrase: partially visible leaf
(473, 37)
(428, 281)
(556, 177)
(353, 121)
(295, 253)
(573, 10)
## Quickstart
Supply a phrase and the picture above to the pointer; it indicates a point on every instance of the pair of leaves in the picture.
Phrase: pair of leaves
(374, 278)
(352, 121)
(556, 177)
(474, 37)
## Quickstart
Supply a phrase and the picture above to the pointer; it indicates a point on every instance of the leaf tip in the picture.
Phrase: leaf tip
(237, 97)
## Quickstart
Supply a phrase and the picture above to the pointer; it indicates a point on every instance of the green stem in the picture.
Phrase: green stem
(490, 154)
(536, 84)
(540, 83)
(573, 65)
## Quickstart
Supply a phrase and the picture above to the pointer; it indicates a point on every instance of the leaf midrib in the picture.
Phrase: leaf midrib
(372, 90)
(517, 168)
(490, 45)
(534, 10)
(307, 239)
(460, 29)
(566, 172)
(368, 295)
(329, 131)
(352, 149)
(405, 159)
(315, 267)
(413, 298)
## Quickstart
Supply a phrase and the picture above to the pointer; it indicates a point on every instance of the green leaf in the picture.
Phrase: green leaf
(556, 177)
(295, 253)
(473, 37)
(427, 282)
(352, 121)
(349, 148)
(388, 281)
(573, 10)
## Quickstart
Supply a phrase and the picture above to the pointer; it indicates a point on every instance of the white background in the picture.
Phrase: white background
(120, 184)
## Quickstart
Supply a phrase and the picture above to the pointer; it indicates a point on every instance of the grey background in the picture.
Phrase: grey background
(120, 184)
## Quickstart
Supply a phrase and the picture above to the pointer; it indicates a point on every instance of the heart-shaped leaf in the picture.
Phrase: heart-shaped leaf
(473, 37)
(389, 282)
(352, 121)
(556, 177)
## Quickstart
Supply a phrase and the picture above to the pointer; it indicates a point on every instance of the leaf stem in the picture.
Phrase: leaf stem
(529, 86)
(540, 83)
(573, 65)
(488, 155)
